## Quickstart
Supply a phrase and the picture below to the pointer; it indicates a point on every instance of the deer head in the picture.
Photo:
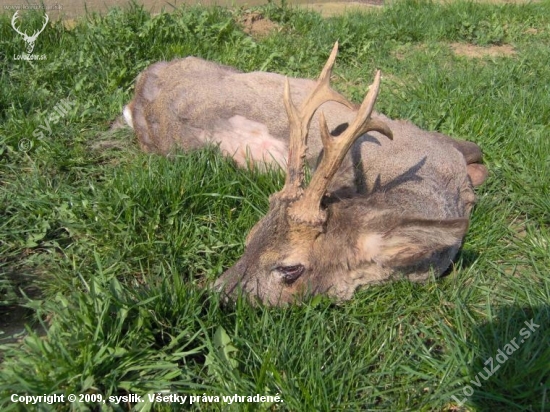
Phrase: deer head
(29, 39)
(312, 243)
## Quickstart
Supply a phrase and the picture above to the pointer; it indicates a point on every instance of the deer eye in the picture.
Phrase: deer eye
(291, 273)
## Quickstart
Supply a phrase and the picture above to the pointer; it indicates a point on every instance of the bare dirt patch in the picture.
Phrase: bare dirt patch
(331, 9)
(505, 1)
(477, 52)
(256, 24)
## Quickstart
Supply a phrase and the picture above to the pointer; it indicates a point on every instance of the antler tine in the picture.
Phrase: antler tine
(297, 148)
(323, 92)
(308, 208)
(299, 120)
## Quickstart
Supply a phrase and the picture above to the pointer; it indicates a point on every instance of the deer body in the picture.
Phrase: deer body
(387, 201)
(188, 103)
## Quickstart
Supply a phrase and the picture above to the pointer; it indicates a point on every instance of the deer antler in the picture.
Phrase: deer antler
(307, 209)
(299, 120)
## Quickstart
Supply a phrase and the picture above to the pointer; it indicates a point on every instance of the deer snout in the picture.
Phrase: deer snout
(229, 281)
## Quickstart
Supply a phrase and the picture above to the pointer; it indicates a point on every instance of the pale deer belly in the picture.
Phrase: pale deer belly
(247, 141)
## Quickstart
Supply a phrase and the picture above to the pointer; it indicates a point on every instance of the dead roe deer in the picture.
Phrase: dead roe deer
(387, 200)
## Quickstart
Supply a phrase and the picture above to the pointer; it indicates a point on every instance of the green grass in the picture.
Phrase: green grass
(122, 245)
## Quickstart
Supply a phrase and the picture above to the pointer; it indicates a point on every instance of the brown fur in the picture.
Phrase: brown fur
(396, 208)
(190, 102)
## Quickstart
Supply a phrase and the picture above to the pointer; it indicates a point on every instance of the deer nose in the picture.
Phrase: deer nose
(231, 278)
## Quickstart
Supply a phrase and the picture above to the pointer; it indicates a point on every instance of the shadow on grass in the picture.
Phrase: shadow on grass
(512, 369)
(14, 316)
(464, 259)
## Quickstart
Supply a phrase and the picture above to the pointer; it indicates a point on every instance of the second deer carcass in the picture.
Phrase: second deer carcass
(400, 211)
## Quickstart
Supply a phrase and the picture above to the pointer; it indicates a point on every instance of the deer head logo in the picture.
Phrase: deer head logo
(29, 39)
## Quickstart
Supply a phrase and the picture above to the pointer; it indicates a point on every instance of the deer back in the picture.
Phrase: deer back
(188, 103)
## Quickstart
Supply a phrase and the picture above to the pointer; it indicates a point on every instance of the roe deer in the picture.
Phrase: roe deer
(190, 102)
(400, 210)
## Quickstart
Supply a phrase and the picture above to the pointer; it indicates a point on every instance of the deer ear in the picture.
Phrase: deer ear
(412, 241)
